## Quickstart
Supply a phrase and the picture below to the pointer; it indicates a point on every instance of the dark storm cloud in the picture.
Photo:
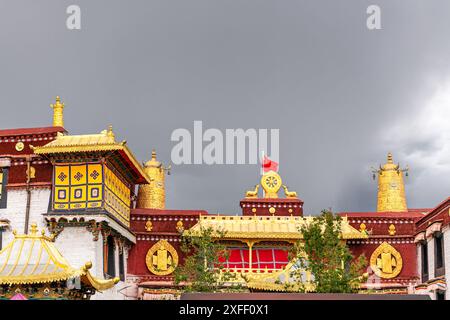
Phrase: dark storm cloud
(310, 68)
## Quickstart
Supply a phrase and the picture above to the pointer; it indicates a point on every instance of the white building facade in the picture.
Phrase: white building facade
(433, 252)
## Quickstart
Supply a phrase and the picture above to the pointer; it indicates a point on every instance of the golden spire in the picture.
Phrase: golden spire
(110, 134)
(58, 116)
(391, 189)
(153, 195)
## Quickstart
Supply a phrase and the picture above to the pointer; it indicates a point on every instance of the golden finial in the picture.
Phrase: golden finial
(33, 229)
(58, 116)
(389, 158)
(110, 134)
(153, 154)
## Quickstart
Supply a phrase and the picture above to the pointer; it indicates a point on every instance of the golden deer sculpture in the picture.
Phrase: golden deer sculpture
(252, 194)
(289, 194)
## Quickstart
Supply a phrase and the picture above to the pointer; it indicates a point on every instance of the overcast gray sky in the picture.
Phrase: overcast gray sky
(341, 95)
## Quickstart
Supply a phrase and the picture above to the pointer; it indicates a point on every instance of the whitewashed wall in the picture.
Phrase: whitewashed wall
(16, 209)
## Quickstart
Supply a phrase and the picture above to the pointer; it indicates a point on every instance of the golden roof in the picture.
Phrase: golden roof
(34, 258)
(103, 141)
(265, 227)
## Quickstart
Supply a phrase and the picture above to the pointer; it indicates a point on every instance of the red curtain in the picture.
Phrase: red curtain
(262, 258)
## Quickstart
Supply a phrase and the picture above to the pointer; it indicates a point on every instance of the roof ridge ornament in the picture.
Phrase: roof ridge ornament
(58, 114)
(391, 188)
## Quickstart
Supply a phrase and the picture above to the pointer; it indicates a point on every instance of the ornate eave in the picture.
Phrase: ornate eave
(264, 227)
(34, 259)
(88, 219)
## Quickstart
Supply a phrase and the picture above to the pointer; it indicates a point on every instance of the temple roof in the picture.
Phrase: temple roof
(104, 141)
(34, 258)
(30, 131)
(265, 227)
(411, 213)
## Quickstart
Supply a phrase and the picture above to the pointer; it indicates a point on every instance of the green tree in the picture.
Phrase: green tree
(202, 269)
(324, 254)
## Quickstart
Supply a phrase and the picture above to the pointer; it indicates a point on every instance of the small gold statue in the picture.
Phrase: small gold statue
(289, 194)
(148, 226)
(392, 230)
(252, 194)
(180, 226)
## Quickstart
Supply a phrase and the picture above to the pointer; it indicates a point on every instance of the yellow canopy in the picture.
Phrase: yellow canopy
(34, 258)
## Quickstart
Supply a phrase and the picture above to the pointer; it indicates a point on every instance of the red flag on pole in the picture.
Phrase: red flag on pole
(269, 165)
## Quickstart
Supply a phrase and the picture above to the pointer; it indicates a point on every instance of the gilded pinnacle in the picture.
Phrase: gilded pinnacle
(58, 116)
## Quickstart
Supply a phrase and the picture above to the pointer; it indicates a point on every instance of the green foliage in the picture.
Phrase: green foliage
(202, 270)
(326, 256)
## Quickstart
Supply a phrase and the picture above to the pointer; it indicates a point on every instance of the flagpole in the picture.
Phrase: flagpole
(261, 168)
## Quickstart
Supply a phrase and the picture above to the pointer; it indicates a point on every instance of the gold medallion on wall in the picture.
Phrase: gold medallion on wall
(20, 146)
(386, 262)
(162, 258)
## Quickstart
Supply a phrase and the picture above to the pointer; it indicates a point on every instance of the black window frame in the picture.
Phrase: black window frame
(424, 260)
(110, 258)
(440, 295)
(3, 185)
(439, 254)
(121, 265)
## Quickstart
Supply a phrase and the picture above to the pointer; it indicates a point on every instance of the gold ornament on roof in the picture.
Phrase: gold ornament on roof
(271, 183)
(110, 134)
(386, 262)
(391, 189)
(289, 194)
(252, 193)
(161, 258)
(58, 116)
(153, 195)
